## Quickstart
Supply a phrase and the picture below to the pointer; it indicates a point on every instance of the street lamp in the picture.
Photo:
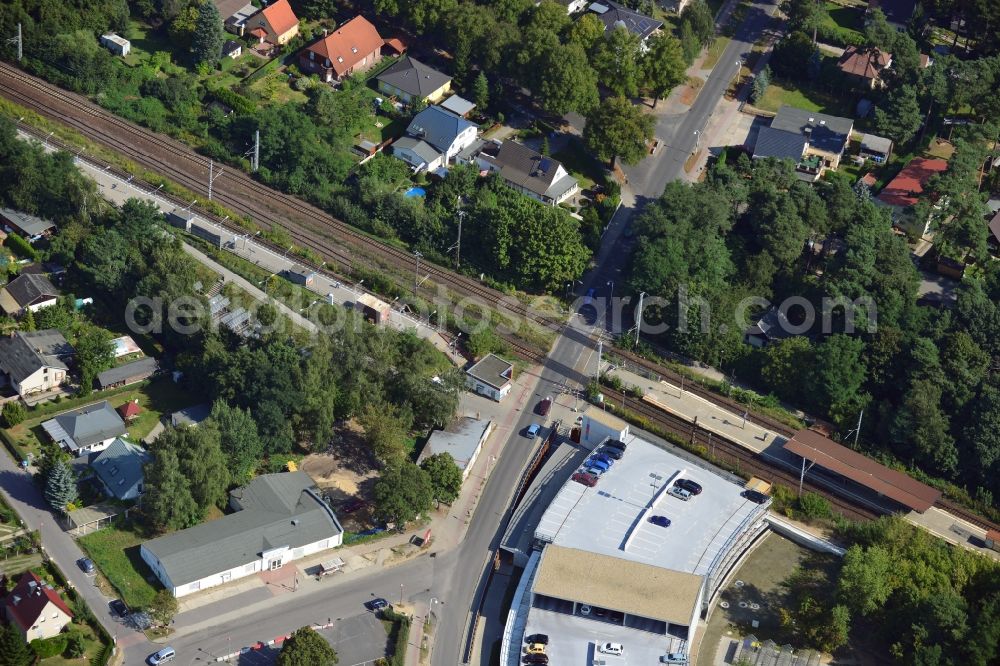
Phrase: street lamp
(736, 83)
(611, 301)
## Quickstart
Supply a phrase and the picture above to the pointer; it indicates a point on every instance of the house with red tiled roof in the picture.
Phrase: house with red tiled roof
(35, 608)
(904, 191)
(275, 24)
(353, 47)
(865, 65)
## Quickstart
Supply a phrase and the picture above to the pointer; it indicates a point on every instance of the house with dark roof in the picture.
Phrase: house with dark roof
(864, 65)
(875, 148)
(191, 416)
(25, 224)
(353, 47)
(772, 326)
(614, 15)
(87, 429)
(275, 24)
(531, 173)
(127, 373)
(904, 191)
(491, 376)
(823, 139)
(30, 291)
(35, 361)
(409, 80)
(34, 608)
(277, 519)
(433, 138)
(119, 467)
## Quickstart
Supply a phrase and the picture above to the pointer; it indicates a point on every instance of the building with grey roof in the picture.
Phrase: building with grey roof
(277, 519)
(458, 105)
(191, 416)
(419, 154)
(491, 376)
(531, 173)
(462, 440)
(87, 429)
(34, 361)
(29, 225)
(127, 373)
(779, 144)
(445, 133)
(825, 138)
(876, 148)
(409, 79)
(30, 291)
(614, 15)
(119, 467)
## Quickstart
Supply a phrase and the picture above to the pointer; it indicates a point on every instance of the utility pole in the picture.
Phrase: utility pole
(212, 176)
(458, 243)
(638, 319)
(857, 429)
(416, 271)
(600, 353)
(255, 162)
(20, 43)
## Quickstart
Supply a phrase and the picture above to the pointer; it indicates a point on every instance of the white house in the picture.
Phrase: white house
(278, 518)
(115, 44)
(34, 361)
(491, 376)
(433, 138)
(463, 440)
(529, 172)
(87, 429)
(35, 609)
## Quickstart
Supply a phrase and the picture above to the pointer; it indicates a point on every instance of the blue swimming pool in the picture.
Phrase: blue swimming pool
(415, 192)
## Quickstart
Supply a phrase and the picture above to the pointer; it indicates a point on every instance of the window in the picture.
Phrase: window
(312, 55)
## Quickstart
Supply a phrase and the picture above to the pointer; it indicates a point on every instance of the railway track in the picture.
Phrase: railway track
(308, 225)
(966, 514)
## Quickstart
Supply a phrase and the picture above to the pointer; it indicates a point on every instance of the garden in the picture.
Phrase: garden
(115, 551)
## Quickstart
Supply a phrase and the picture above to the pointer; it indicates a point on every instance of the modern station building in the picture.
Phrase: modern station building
(601, 571)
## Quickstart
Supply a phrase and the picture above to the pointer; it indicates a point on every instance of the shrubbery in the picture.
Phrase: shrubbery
(50, 647)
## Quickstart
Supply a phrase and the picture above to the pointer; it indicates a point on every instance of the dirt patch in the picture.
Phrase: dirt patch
(346, 471)
(690, 90)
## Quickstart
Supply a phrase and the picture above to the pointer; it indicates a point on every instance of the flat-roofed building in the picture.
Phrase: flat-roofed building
(598, 425)
(491, 376)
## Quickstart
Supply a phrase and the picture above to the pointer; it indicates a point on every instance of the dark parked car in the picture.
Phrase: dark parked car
(688, 485)
(536, 659)
(378, 603)
(545, 405)
(618, 444)
(537, 638)
(754, 496)
(616, 616)
(586, 479)
(117, 608)
(87, 565)
(614, 454)
(662, 521)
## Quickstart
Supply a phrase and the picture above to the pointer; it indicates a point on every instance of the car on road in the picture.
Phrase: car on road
(117, 608)
(162, 656)
(350, 506)
(754, 496)
(588, 480)
(532, 430)
(654, 145)
(535, 648)
(611, 648)
(378, 603)
(689, 485)
(545, 405)
(662, 521)
(614, 454)
(538, 638)
(673, 658)
(536, 659)
(680, 493)
(87, 565)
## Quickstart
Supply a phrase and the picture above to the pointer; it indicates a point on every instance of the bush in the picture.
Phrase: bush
(238, 103)
(14, 413)
(50, 647)
(21, 247)
(75, 645)
(814, 507)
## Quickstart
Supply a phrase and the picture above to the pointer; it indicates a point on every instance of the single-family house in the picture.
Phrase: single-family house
(29, 291)
(119, 467)
(132, 372)
(116, 44)
(27, 225)
(275, 24)
(903, 192)
(491, 376)
(191, 416)
(875, 148)
(409, 80)
(822, 139)
(232, 49)
(353, 47)
(87, 429)
(897, 12)
(529, 172)
(772, 326)
(463, 440)
(35, 609)
(865, 65)
(433, 138)
(35, 361)
(614, 15)
(277, 519)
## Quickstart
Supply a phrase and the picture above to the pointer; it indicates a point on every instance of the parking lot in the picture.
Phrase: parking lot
(358, 640)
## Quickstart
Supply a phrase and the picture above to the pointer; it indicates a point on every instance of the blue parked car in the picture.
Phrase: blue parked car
(596, 462)
(601, 456)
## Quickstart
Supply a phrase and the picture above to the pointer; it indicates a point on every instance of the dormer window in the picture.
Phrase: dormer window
(340, 59)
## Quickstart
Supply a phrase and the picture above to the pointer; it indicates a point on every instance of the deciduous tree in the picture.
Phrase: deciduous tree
(238, 439)
(445, 477)
(617, 60)
(402, 493)
(618, 129)
(565, 81)
(163, 607)
(305, 647)
(663, 65)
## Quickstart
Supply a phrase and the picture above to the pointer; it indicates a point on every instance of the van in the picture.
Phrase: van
(162, 657)
(680, 493)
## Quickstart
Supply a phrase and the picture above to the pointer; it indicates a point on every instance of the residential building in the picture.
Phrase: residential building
(491, 376)
(127, 373)
(116, 44)
(34, 608)
(87, 429)
(460, 106)
(772, 326)
(353, 47)
(275, 24)
(994, 226)
(232, 49)
(27, 225)
(875, 148)
(903, 192)
(434, 137)
(823, 139)
(865, 65)
(29, 291)
(236, 15)
(409, 80)
(897, 12)
(35, 361)
(614, 15)
(191, 416)
(277, 519)
(463, 440)
(531, 173)
(119, 467)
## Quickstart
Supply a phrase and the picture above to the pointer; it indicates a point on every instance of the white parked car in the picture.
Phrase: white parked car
(611, 648)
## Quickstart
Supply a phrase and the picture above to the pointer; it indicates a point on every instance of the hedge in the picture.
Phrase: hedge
(233, 100)
(21, 247)
(50, 647)
(402, 623)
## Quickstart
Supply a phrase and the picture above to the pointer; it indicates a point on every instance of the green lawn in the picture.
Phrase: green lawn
(715, 52)
(850, 21)
(115, 551)
(390, 129)
(275, 88)
(145, 42)
(580, 163)
(92, 643)
(16, 564)
(782, 92)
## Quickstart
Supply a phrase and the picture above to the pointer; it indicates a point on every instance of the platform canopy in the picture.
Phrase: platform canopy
(893, 484)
